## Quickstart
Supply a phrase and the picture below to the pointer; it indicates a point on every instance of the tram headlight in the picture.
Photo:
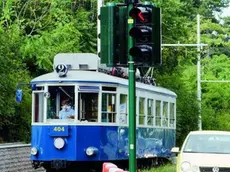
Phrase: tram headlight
(34, 151)
(90, 151)
(59, 143)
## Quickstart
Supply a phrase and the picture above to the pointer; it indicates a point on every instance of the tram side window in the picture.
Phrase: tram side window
(123, 109)
(172, 115)
(108, 107)
(39, 88)
(60, 104)
(141, 111)
(88, 107)
(165, 114)
(150, 112)
(158, 113)
(38, 107)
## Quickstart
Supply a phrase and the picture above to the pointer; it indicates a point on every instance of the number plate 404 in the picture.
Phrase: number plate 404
(59, 128)
(59, 131)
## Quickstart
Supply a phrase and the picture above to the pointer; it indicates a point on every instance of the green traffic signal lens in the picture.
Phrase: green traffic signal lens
(141, 51)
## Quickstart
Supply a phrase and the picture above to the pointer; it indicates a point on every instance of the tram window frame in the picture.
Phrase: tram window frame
(58, 98)
(158, 113)
(38, 108)
(88, 115)
(150, 112)
(165, 112)
(105, 114)
(141, 112)
(110, 89)
(172, 115)
(123, 116)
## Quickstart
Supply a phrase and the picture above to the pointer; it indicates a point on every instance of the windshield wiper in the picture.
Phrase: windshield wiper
(206, 152)
(191, 152)
(218, 153)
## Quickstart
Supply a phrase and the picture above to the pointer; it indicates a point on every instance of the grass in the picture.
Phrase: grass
(166, 168)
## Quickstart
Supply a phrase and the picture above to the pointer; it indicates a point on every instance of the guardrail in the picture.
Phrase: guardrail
(13, 145)
(16, 157)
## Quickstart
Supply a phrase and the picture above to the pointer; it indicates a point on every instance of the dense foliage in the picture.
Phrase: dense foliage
(32, 32)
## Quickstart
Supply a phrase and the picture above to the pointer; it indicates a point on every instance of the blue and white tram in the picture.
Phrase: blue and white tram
(99, 129)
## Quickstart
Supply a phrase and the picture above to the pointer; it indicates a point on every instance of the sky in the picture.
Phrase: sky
(226, 12)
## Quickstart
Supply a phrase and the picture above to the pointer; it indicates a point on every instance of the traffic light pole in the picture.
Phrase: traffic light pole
(132, 100)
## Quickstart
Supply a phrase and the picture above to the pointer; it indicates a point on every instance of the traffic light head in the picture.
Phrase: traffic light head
(113, 35)
(147, 35)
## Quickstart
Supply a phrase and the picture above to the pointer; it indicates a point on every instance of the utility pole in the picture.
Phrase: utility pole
(198, 73)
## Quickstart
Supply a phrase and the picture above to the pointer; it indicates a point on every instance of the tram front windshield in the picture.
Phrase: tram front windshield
(61, 103)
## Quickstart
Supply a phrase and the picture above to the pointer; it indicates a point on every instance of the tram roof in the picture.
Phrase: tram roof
(76, 76)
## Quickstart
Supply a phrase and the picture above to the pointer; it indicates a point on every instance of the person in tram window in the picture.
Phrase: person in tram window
(67, 111)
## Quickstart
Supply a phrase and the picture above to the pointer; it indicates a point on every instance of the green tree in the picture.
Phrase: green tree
(12, 71)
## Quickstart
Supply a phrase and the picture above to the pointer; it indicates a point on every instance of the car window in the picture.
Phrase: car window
(208, 143)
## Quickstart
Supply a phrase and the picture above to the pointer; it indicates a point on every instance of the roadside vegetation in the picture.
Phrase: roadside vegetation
(166, 168)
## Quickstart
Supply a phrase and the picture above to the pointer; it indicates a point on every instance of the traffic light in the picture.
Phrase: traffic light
(147, 34)
(113, 19)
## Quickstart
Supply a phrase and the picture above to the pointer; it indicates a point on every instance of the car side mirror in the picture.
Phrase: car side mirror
(175, 150)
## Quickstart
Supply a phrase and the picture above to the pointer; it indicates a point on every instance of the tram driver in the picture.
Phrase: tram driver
(67, 111)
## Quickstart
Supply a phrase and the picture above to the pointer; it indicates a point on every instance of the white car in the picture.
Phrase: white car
(204, 151)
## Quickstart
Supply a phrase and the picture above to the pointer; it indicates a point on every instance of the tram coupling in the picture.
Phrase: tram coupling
(58, 164)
